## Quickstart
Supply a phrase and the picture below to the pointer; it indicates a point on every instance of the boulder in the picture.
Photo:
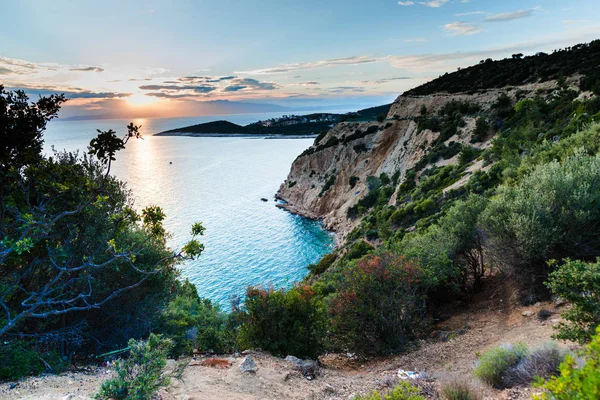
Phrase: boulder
(248, 365)
(309, 368)
(527, 313)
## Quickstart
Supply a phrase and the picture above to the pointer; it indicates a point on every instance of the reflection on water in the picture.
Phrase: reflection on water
(220, 182)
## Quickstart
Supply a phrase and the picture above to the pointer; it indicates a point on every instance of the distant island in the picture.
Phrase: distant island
(287, 125)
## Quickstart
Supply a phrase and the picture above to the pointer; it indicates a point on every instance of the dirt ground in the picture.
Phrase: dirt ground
(448, 355)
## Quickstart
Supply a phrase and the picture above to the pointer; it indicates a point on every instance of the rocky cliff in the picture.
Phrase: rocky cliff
(331, 176)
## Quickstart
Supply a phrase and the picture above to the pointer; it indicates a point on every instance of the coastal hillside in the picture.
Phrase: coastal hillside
(427, 128)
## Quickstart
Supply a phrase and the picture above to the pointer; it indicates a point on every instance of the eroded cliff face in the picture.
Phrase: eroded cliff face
(319, 184)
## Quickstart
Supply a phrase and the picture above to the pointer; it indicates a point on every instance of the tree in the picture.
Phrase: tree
(578, 283)
(21, 127)
(71, 239)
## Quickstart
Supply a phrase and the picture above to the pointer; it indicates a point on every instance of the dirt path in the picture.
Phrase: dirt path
(449, 355)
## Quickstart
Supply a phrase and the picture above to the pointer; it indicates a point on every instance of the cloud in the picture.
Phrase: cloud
(205, 79)
(417, 40)
(346, 89)
(461, 29)
(385, 80)
(70, 93)
(238, 84)
(309, 83)
(511, 16)
(179, 88)
(5, 71)
(164, 95)
(87, 69)
(355, 60)
(434, 3)
(469, 13)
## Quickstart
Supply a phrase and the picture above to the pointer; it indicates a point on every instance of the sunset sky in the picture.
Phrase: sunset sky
(175, 58)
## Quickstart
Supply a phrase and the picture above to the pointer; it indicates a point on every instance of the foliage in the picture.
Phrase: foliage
(283, 322)
(403, 391)
(353, 181)
(459, 391)
(582, 59)
(576, 381)
(323, 264)
(513, 365)
(328, 184)
(551, 213)
(542, 362)
(140, 376)
(578, 283)
(22, 127)
(379, 306)
(20, 359)
(493, 365)
(192, 322)
(72, 244)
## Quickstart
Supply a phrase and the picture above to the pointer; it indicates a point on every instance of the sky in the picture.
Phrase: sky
(155, 58)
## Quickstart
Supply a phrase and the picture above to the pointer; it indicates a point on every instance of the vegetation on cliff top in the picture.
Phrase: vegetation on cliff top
(581, 59)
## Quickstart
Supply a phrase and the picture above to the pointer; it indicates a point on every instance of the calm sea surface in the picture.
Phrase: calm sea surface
(220, 182)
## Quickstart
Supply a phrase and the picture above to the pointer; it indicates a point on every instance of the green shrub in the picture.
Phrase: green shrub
(328, 184)
(493, 365)
(357, 250)
(140, 376)
(20, 359)
(283, 322)
(552, 213)
(380, 305)
(403, 391)
(542, 362)
(323, 264)
(459, 391)
(577, 282)
(353, 181)
(576, 381)
(193, 322)
(467, 154)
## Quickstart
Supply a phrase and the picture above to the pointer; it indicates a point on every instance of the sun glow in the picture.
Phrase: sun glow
(139, 99)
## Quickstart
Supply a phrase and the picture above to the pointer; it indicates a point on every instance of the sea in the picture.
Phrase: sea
(220, 182)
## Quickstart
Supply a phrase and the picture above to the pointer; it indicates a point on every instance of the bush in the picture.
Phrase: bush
(380, 305)
(552, 213)
(543, 362)
(195, 323)
(577, 282)
(323, 264)
(576, 382)
(493, 365)
(328, 184)
(459, 391)
(140, 376)
(283, 322)
(357, 250)
(514, 365)
(403, 391)
(353, 181)
(467, 154)
(20, 359)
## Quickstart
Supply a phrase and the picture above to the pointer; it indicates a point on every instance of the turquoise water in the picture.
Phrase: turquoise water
(220, 182)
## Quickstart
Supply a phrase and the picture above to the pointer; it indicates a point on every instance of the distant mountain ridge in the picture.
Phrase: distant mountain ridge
(311, 124)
